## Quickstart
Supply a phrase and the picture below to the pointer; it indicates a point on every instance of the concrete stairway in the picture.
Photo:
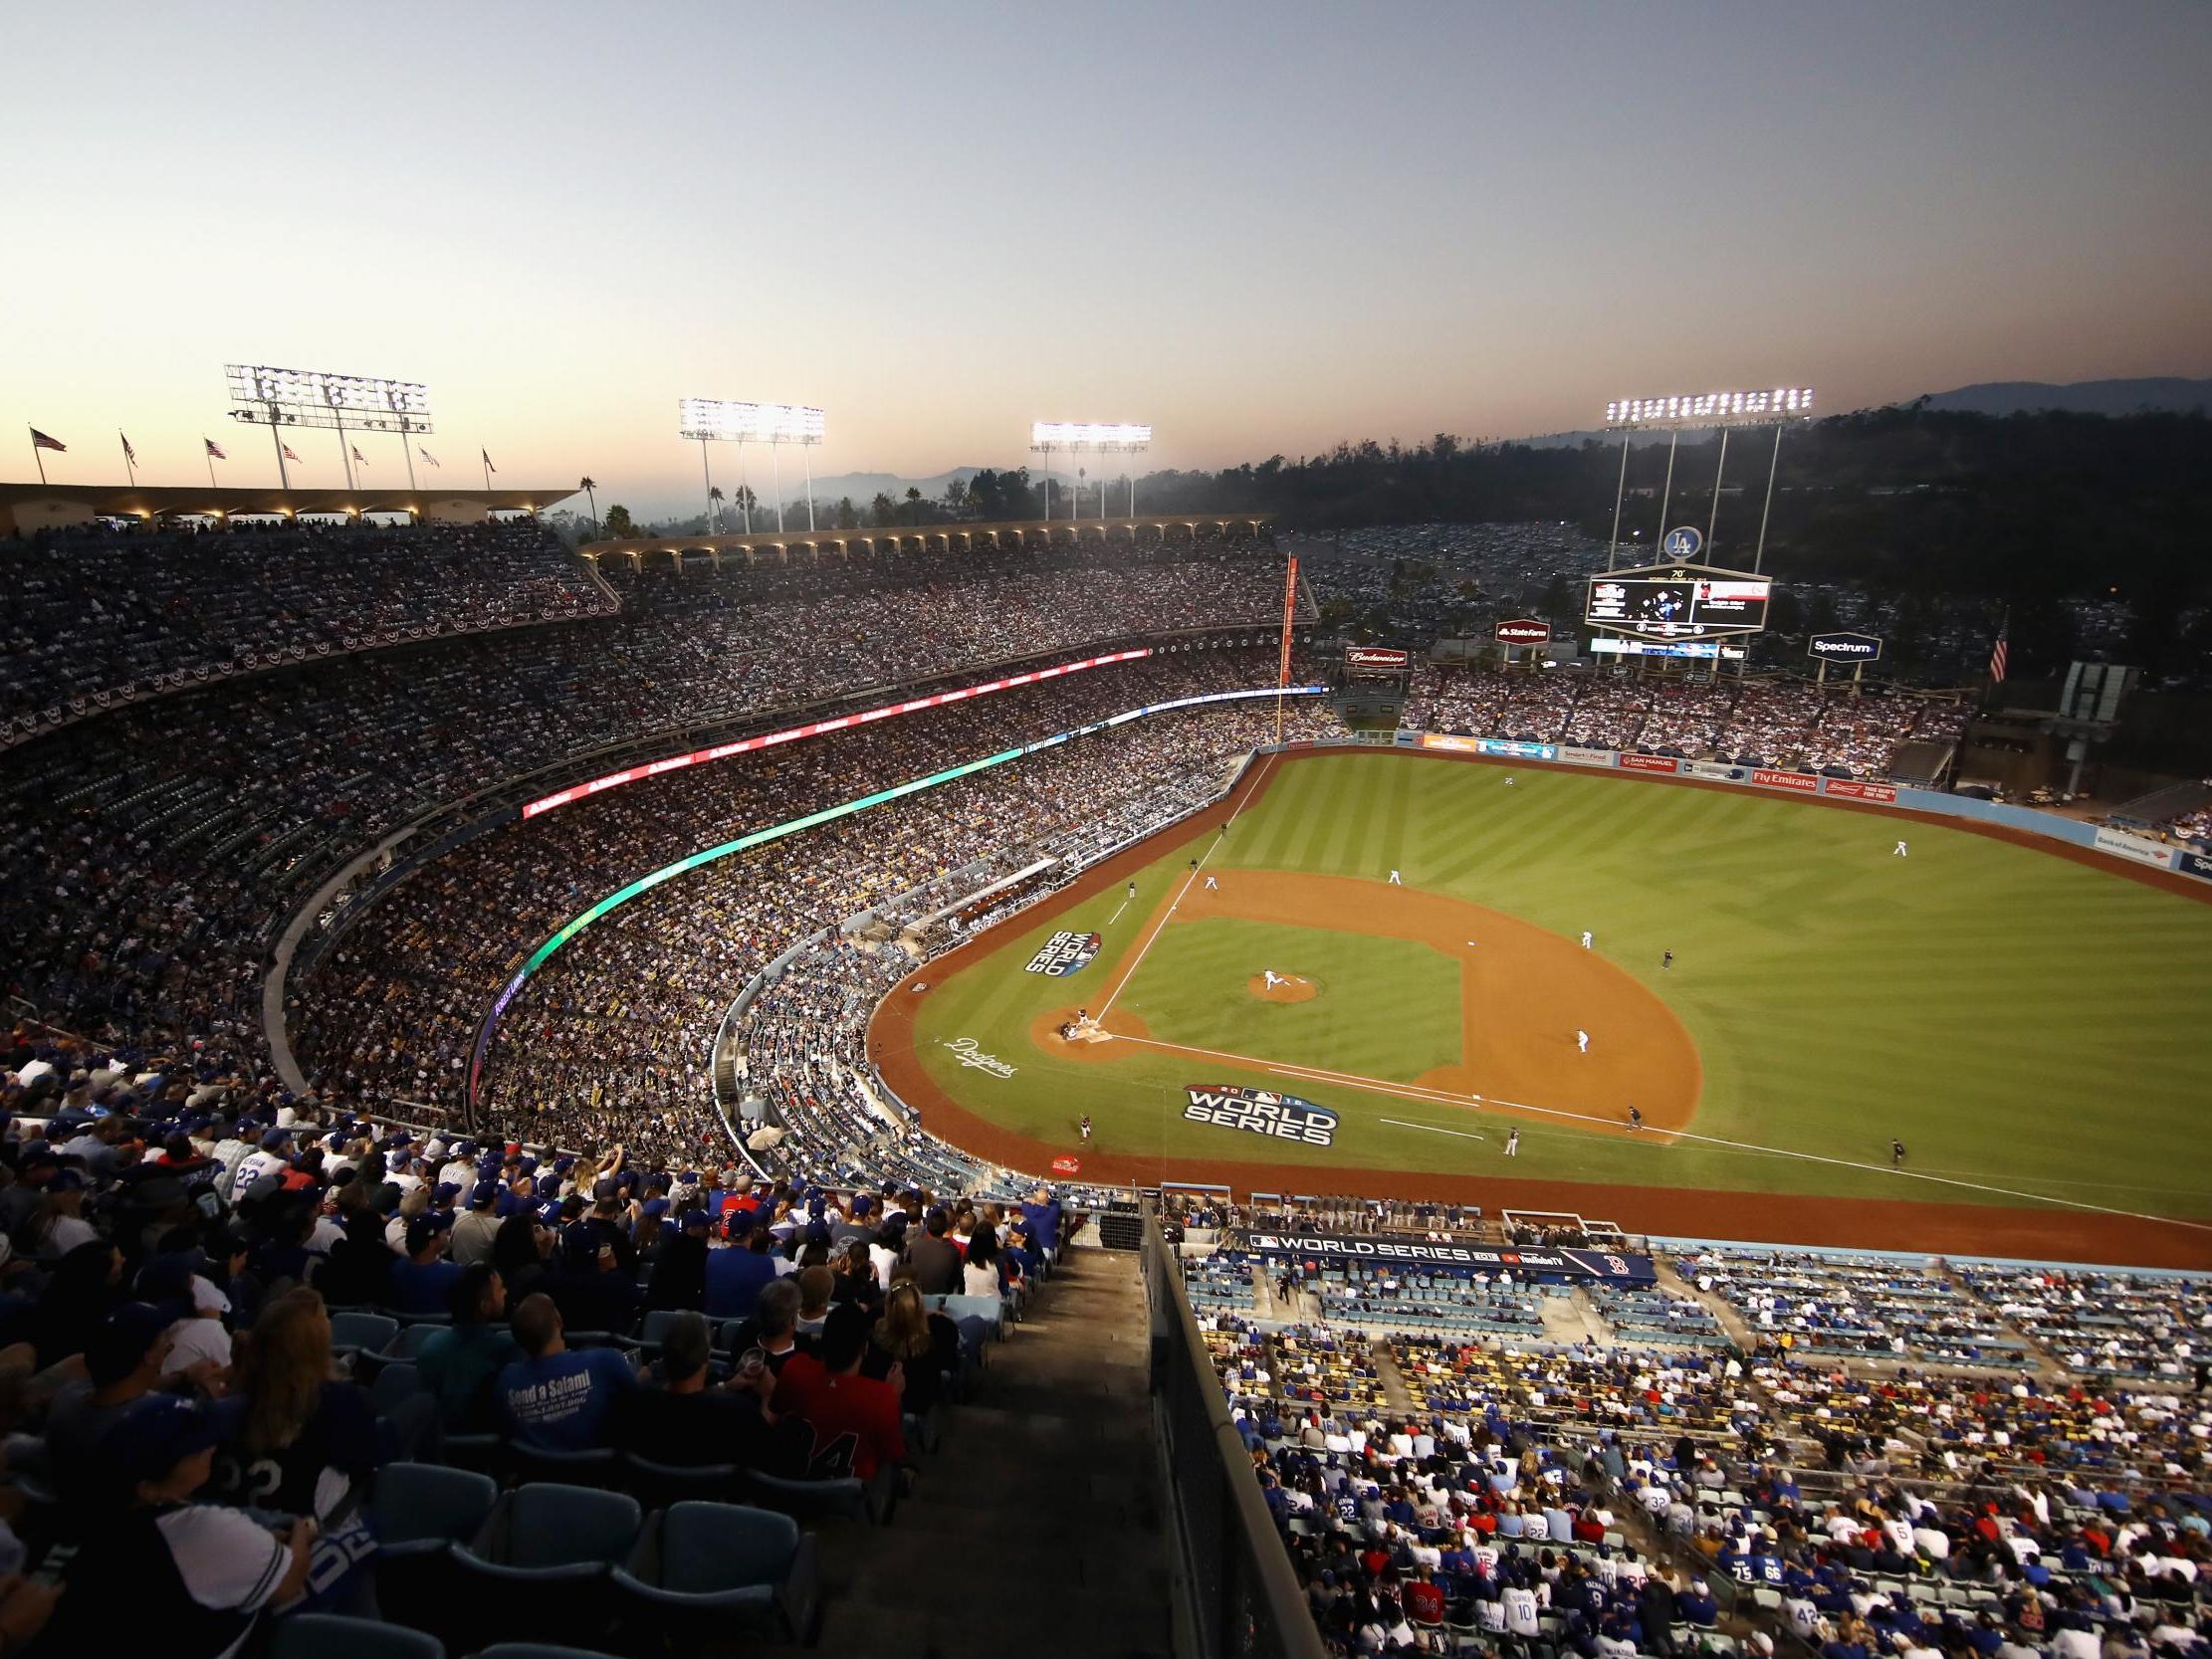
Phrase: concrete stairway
(1040, 1512)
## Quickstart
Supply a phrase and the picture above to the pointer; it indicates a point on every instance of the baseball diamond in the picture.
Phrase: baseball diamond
(1819, 997)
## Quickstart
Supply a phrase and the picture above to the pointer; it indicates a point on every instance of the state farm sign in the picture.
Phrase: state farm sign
(1524, 631)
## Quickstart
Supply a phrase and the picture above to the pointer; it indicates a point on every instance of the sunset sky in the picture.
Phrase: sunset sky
(1261, 228)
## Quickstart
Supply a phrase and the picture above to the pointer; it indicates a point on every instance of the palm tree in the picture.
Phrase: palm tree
(714, 506)
(914, 503)
(588, 485)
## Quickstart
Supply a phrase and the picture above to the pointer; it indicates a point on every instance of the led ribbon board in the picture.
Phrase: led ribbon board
(759, 838)
(817, 729)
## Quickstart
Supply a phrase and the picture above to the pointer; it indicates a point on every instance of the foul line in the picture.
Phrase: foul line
(1130, 973)
(1442, 1097)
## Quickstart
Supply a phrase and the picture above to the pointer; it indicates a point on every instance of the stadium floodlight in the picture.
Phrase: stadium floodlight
(278, 397)
(1705, 409)
(1092, 436)
(719, 420)
(1778, 407)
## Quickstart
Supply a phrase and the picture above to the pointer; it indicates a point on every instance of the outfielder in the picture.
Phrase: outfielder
(1899, 851)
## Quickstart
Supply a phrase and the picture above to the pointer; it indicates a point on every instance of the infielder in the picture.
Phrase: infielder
(1394, 881)
(1513, 1143)
(1636, 1119)
(1212, 886)
(1582, 1042)
(1585, 942)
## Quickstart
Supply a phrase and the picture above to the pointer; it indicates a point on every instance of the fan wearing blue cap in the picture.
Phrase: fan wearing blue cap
(423, 1283)
(477, 1226)
(165, 1574)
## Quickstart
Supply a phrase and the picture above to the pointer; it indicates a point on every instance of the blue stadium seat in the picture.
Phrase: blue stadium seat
(540, 1563)
(699, 1566)
(326, 1636)
(420, 1512)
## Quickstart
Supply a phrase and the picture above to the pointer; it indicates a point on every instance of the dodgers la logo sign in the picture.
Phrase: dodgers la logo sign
(1682, 542)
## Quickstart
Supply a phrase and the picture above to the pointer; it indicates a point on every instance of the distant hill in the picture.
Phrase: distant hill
(2157, 394)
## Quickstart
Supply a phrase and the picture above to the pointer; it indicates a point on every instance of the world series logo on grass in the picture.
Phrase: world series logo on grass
(1260, 1112)
(1062, 955)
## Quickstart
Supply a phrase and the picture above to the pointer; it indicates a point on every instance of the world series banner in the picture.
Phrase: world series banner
(1412, 1251)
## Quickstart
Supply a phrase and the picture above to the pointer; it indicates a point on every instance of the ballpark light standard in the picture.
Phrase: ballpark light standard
(1779, 408)
(714, 420)
(281, 397)
(1088, 438)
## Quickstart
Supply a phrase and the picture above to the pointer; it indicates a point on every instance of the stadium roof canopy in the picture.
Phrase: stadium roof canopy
(35, 506)
(1019, 533)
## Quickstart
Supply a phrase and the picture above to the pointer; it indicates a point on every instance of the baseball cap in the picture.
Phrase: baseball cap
(694, 1218)
(863, 1205)
(483, 1194)
(122, 1339)
(445, 1192)
(65, 1180)
(275, 1139)
(422, 1230)
(156, 1435)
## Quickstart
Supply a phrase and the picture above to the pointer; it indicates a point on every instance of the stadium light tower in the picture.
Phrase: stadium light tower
(1088, 438)
(1778, 407)
(712, 420)
(280, 397)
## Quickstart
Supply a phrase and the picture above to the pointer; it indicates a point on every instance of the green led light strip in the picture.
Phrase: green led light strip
(756, 838)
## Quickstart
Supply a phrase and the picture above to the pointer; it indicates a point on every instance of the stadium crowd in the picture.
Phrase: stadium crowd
(264, 1360)
(1664, 1500)
(148, 856)
(1755, 722)
(102, 613)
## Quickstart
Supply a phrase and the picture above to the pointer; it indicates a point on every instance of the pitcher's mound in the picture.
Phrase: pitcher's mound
(1286, 987)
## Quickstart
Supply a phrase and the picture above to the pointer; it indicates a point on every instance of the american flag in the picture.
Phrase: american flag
(215, 449)
(1998, 654)
(128, 454)
(358, 458)
(39, 439)
(288, 452)
(426, 455)
(487, 454)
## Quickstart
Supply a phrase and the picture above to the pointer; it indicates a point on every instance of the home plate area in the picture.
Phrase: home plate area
(1270, 986)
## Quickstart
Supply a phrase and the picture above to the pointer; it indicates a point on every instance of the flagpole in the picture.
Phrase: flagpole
(36, 458)
(208, 455)
(486, 456)
(129, 471)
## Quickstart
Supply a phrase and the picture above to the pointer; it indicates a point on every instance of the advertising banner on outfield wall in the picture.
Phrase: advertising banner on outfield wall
(1585, 756)
(2193, 864)
(1513, 748)
(1416, 1251)
(1718, 770)
(2140, 848)
(1858, 790)
(1805, 782)
(1444, 740)
(1648, 763)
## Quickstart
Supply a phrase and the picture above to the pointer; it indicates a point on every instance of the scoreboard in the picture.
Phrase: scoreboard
(1678, 604)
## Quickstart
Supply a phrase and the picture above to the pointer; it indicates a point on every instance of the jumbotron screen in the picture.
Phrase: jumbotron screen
(1678, 604)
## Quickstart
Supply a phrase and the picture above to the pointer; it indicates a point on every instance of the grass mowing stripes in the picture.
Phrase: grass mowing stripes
(2016, 1018)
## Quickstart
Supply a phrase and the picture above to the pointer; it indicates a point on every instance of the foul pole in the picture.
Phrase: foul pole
(1289, 614)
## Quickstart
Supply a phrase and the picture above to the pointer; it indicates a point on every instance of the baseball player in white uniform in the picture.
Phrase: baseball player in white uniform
(1582, 1042)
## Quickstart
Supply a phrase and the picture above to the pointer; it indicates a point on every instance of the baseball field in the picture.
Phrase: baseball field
(1767, 999)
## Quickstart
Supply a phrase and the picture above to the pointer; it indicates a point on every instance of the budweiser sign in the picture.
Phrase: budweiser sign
(1524, 631)
(1852, 789)
(1373, 656)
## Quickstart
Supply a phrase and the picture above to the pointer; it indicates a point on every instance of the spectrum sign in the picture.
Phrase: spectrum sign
(818, 729)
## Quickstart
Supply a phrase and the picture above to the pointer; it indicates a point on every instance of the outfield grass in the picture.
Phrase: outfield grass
(2020, 1020)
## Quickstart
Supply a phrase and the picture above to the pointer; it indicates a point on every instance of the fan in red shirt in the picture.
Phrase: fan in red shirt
(1424, 1600)
(855, 1418)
